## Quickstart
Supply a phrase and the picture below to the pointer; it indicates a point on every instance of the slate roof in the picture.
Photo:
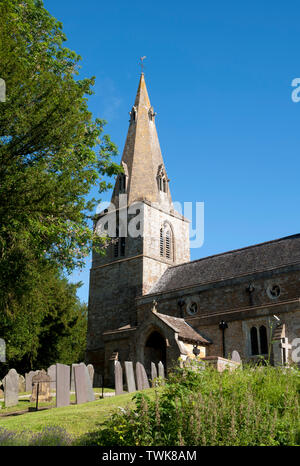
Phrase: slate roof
(185, 331)
(256, 258)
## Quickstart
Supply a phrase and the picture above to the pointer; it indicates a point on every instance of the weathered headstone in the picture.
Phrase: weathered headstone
(51, 371)
(80, 384)
(118, 378)
(41, 387)
(11, 388)
(21, 384)
(89, 386)
(145, 377)
(153, 371)
(161, 370)
(235, 356)
(131, 387)
(62, 385)
(91, 372)
(141, 377)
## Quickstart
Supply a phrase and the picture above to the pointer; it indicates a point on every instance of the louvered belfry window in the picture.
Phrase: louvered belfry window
(166, 242)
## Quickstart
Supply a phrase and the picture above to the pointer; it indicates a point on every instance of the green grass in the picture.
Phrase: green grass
(76, 419)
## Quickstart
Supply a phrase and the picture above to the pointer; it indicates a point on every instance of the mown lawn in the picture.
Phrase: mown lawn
(76, 419)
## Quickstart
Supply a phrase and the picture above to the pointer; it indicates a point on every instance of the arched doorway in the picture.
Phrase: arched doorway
(154, 350)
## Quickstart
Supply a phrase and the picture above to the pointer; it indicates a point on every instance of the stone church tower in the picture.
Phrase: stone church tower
(133, 262)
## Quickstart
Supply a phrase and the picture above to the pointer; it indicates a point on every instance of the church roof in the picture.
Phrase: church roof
(184, 330)
(142, 159)
(245, 261)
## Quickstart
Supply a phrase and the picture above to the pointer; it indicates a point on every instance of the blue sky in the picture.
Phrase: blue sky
(219, 77)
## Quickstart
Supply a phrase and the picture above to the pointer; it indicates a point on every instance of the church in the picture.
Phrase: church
(149, 302)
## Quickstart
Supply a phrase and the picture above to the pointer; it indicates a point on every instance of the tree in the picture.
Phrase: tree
(51, 151)
(48, 325)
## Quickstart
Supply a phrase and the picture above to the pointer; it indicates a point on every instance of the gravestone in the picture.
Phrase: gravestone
(235, 356)
(130, 376)
(21, 384)
(62, 385)
(153, 372)
(89, 386)
(80, 382)
(72, 375)
(11, 388)
(118, 378)
(145, 377)
(41, 387)
(91, 372)
(161, 370)
(28, 380)
(141, 377)
(51, 371)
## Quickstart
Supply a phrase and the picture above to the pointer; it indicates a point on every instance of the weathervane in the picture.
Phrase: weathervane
(142, 64)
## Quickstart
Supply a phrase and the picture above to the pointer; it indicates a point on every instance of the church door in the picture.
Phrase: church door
(155, 351)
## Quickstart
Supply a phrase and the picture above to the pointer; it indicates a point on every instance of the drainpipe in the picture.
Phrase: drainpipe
(222, 326)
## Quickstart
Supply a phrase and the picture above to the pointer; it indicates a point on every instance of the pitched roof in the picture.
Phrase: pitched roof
(142, 158)
(260, 257)
(184, 330)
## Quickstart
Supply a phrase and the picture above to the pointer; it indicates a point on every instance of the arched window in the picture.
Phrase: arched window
(166, 247)
(254, 341)
(263, 339)
(161, 179)
(259, 340)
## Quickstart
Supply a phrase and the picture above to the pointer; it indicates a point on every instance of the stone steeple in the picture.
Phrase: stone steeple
(145, 176)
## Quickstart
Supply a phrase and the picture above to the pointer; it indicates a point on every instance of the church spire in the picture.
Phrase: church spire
(145, 176)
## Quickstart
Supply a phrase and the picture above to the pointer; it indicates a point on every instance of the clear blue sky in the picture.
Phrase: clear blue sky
(219, 76)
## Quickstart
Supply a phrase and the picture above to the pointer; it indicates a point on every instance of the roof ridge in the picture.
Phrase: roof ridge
(297, 235)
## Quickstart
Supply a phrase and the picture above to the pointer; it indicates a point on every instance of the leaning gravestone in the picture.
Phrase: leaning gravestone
(153, 372)
(161, 370)
(91, 372)
(89, 385)
(11, 388)
(130, 376)
(118, 378)
(80, 384)
(62, 385)
(41, 387)
(145, 378)
(72, 375)
(141, 377)
(235, 356)
(51, 371)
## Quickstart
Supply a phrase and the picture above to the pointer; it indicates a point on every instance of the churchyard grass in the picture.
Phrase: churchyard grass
(75, 419)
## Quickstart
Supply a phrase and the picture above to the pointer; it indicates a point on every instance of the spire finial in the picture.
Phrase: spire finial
(142, 64)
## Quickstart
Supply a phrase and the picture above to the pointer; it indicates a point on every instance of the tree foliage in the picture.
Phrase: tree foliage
(51, 149)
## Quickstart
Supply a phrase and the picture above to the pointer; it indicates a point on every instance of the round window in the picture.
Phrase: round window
(192, 309)
(273, 291)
